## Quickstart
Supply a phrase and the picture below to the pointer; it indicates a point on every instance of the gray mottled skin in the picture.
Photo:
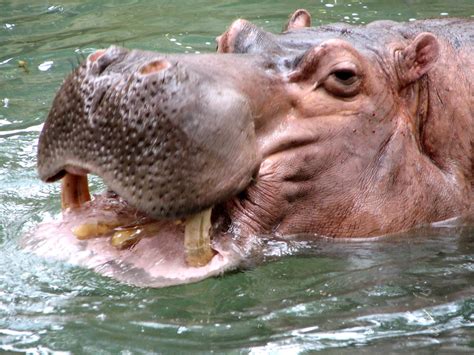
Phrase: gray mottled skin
(162, 140)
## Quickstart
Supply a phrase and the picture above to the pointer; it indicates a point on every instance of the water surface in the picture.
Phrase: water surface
(413, 293)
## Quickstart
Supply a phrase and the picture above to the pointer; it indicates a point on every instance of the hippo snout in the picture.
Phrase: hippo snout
(162, 132)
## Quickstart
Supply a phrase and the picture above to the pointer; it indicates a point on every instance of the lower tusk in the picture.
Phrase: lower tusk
(74, 191)
(94, 229)
(127, 237)
(197, 239)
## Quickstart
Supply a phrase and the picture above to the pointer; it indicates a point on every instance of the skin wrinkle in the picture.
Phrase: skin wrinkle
(432, 142)
(384, 145)
(378, 159)
(255, 209)
(383, 61)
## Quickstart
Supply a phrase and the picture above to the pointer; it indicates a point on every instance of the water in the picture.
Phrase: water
(412, 293)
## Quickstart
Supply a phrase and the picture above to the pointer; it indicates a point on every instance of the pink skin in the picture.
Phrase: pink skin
(155, 261)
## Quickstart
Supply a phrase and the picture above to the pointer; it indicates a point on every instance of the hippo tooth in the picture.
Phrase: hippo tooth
(123, 239)
(126, 237)
(197, 239)
(94, 229)
(74, 191)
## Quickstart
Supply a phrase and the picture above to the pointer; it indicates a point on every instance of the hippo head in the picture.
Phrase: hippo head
(328, 131)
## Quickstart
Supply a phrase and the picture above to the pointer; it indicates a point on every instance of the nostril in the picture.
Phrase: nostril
(101, 59)
(96, 55)
(155, 66)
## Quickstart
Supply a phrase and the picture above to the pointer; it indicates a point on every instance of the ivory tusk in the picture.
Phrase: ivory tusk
(197, 239)
(74, 191)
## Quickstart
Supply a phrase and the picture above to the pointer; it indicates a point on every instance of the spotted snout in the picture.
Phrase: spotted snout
(163, 132)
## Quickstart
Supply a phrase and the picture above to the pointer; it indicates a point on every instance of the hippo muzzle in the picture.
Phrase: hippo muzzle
(164, 132)
(170, 139)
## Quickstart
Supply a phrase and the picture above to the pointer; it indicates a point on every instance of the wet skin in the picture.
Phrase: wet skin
(338, 131)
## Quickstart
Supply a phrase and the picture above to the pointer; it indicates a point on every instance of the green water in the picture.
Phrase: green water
(410, 294)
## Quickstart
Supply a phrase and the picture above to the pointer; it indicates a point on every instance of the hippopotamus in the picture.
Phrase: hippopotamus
(336, 131)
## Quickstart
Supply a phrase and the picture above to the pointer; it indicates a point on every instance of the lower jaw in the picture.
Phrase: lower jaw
(128, 226)
(160, 256)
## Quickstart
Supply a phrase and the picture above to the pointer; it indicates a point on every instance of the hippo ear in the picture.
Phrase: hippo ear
(418, 57)
(300, 19)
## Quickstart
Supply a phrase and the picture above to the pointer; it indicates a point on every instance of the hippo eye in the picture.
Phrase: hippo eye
(345, 76)
(343, 82)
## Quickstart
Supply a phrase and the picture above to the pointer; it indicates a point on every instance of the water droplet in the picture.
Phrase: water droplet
(54, 9)
(46, 65)
(181, 330)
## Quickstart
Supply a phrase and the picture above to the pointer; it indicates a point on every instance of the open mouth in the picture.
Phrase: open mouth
(170, 140)
(109, 235)
(125, 227)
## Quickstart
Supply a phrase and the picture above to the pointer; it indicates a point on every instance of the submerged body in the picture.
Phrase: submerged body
(338, 131)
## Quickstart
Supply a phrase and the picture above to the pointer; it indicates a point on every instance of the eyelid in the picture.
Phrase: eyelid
(340, 87)
(345, 66)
